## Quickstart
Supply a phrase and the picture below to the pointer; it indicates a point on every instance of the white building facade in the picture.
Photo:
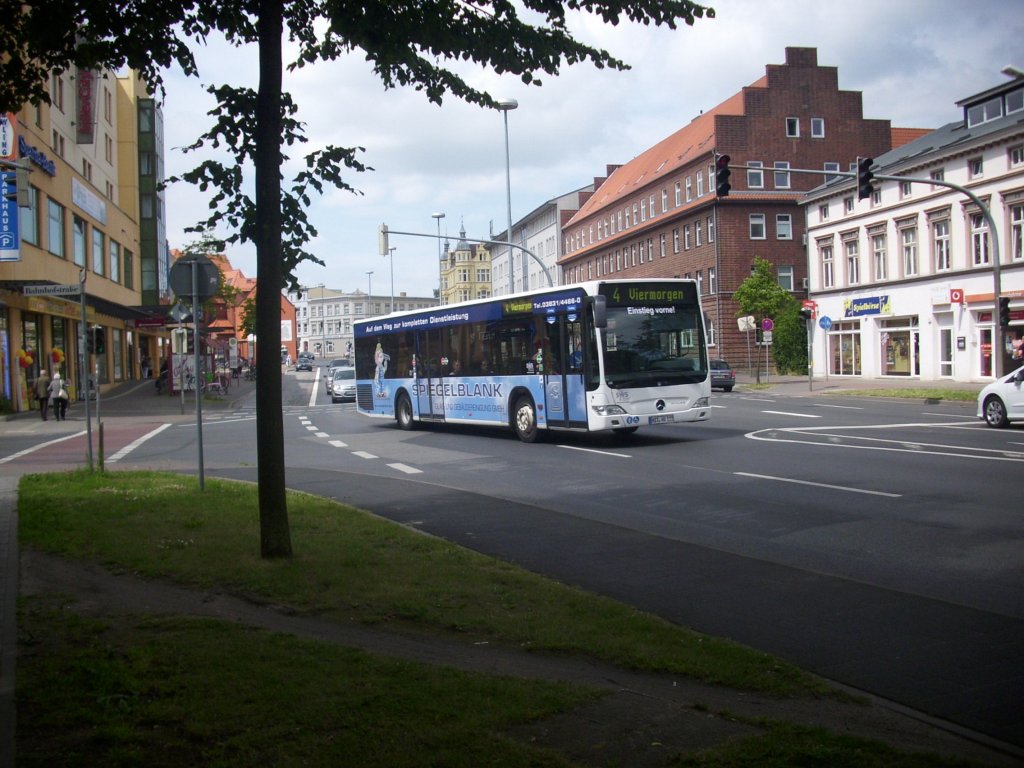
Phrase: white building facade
(539, 232)
(324, 316)
(904, 281)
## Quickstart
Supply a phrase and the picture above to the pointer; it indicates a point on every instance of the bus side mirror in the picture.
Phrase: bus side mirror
(600, 311)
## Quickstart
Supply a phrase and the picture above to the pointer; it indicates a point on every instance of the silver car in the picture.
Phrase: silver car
(342, 384)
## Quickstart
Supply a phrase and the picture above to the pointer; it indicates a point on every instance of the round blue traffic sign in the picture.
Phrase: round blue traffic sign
(825, 322)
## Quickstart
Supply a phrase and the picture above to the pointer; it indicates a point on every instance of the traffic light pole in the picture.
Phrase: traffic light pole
(864, 165)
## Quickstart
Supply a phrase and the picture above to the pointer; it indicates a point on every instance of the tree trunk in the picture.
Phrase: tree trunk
(275, 536)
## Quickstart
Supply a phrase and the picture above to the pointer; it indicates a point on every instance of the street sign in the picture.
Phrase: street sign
(767, 324)
(825, 323)
(746, 323)
(51, 290)
(208, 278)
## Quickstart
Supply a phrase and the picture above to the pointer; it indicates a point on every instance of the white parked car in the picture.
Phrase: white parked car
(342, 384)
(1002, 401)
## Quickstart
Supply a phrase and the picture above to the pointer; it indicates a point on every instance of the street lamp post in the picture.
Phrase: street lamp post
(506, 106)
(438, 217)
(369, 290)
(391, 253)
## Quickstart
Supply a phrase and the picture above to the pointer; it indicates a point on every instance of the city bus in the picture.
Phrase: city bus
(597, 356)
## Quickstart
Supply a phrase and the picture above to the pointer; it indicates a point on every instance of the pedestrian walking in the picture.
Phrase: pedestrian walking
(59, 395)
(42, 392)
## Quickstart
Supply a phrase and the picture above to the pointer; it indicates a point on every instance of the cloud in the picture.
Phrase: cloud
(912, 60)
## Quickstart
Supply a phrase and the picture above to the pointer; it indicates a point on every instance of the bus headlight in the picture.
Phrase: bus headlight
(702, 402)
(608, 410)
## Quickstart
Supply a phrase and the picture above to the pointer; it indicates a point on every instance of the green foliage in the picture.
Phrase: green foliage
(789, 340)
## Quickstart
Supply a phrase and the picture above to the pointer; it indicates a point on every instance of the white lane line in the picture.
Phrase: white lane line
(35, 448)
(801, 415)
(846, 407)
(594, 450)
(338, 443)
(311, 428)
(135, 444)
(316, 381)
(407, 469)
(321, 434)
(819, 485)
(364, 455)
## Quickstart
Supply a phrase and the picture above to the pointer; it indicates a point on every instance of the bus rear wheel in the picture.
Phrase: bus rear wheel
(403, 412)
(524, 419)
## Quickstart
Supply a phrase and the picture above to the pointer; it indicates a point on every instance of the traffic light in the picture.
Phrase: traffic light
(1004, 311)
(806, 314)
(98, 341)
(864, 178)
(722, 174)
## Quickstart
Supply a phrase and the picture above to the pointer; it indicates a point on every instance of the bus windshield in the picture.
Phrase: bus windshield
(646, 346)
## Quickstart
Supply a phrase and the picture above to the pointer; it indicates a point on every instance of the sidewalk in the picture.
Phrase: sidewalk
(798, 385)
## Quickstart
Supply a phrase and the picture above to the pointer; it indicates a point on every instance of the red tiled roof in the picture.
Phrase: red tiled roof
(901, 136)
(691, 141)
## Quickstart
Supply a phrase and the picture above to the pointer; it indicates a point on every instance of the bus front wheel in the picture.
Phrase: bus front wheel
(403, 412)
(524, 419)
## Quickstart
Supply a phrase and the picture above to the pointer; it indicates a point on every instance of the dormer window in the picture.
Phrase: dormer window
(984, 112)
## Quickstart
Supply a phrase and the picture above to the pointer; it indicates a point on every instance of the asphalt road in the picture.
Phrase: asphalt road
(877, 543)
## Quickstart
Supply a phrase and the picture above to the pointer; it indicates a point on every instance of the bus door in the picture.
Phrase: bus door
(429, 394)
(564, 388)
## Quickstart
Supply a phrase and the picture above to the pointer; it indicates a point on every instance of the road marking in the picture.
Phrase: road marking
(316, 380)
(819, 485)
(801, 415)
(311, 428)
(135, 444)
(594, 450)
(322, 434)
(35, 448)
(364, 455)
(846, 407)
(407, 469)
(338, 443)
(884, 444)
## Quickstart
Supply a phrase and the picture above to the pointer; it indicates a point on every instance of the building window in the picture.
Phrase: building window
(786, 280)
(664, 200)
(55, 228)
(979, 240)
(679, 194)
(908, 242)
(880, 259)
(687, 243)
(97, 252)
(830, 172)
(1015, 101)
(1017, 232)
(828, 270)
(28, 218)
(792, 127)
(643, 210)
(755, 176)
(817, 127)
(906, 189)
(781, 174)
(940, 245)
(823, 212)
(129, 269)
(689, 189)
(661, 245)
(700, 183)
(700, 283)
(1016, 156)
(711, 229)
(848, 204)
(852, 262)
(985, 112)
(675, 240)
(975, 168)
(712, 280)
(108, 148)
(653, 214)
(939, 175)
(757, 226)
(783, 226)
(78, 241)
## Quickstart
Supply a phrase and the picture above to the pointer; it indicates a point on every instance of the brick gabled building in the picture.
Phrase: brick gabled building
(658, 215)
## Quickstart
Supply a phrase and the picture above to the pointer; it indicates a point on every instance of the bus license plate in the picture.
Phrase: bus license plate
(661, 419)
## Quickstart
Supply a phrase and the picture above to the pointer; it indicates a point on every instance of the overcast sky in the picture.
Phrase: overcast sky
(911, 59)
